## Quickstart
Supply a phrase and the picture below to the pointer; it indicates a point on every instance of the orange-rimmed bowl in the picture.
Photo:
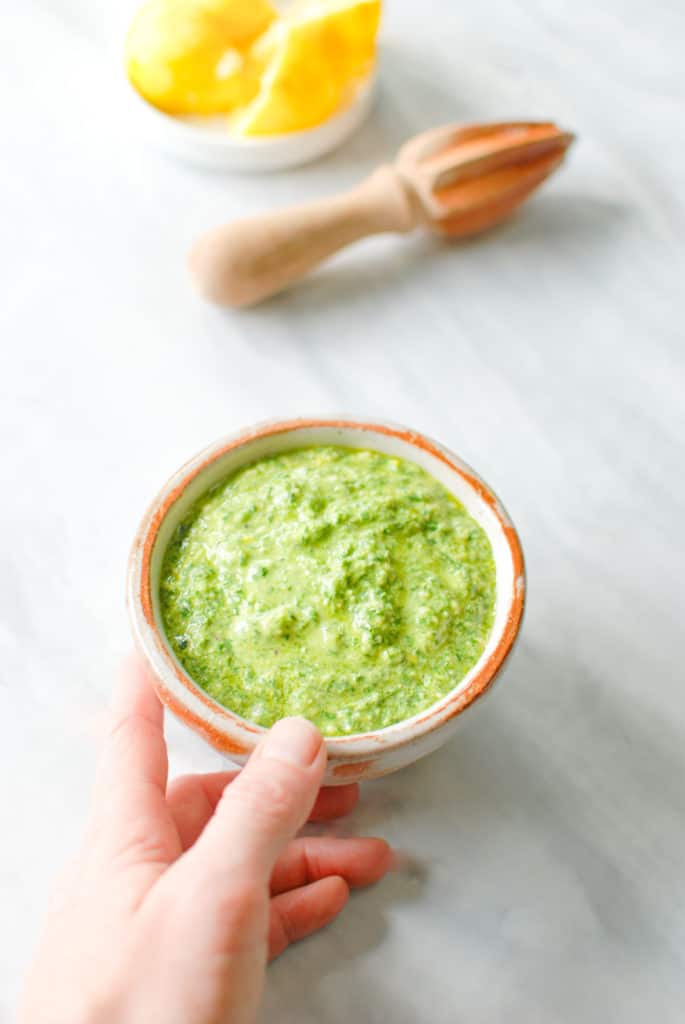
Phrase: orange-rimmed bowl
(364, 755)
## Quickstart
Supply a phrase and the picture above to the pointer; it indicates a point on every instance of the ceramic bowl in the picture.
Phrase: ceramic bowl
(364, 755)
(207, 142)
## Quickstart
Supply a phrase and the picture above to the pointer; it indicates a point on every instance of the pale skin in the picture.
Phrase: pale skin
(183, 891)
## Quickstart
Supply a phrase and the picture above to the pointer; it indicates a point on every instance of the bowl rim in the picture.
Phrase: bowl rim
(224, 729)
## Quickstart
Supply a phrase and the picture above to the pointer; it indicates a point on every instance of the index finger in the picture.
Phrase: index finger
(133, 763)
(193, 799)
(263, 808)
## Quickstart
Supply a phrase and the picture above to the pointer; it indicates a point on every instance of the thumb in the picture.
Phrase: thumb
(263, 808)
(212, 904)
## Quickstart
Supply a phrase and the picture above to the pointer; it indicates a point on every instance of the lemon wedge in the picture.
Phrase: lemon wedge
(190, 56)
(311, 64)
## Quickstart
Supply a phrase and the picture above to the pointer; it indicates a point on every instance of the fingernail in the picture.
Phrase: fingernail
(294, 740)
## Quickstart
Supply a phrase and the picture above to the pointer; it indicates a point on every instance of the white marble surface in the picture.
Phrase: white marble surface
(551, 833)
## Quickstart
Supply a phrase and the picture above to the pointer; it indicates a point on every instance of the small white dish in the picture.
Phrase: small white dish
(207, 142)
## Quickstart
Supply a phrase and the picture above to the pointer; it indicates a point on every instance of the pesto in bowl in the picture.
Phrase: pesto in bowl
(341, 584)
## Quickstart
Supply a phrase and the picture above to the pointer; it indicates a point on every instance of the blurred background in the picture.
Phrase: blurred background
(549, 837)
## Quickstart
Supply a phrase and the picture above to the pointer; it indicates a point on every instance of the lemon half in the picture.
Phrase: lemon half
(311, 65)
(189, 56)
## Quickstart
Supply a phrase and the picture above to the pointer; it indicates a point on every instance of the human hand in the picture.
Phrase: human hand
(179, 895)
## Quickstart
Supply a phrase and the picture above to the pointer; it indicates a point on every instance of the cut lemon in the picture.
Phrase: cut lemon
(311, 64)
(189, 56)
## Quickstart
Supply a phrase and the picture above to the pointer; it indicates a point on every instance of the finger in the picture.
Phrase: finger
(192, 800)
(134, 753)
(130, 802)
(359, 861)
(263, 809)
(334, 802)
(300, 912)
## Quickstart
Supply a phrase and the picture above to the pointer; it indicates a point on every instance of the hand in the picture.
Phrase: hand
(179, 895)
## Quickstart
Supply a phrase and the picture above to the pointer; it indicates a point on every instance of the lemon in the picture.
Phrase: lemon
(189, 56)
(310, 65)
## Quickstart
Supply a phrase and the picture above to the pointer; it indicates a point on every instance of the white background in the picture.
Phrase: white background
(549, 835)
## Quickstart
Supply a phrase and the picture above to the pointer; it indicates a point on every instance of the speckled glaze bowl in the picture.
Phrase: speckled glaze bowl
(350, 758)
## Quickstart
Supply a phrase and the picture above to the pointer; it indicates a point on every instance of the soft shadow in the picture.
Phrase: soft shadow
(408, 87)
(555, 766)
(300, 981)
(559, 215)
(558, 224)
(361, 275)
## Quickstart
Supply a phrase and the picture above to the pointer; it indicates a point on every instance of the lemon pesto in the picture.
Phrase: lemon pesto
(340, 584)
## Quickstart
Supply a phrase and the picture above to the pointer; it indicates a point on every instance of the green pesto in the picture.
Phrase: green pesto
(335, 583)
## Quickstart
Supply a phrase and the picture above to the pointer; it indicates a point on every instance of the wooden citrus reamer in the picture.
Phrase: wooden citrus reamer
(458, 180)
